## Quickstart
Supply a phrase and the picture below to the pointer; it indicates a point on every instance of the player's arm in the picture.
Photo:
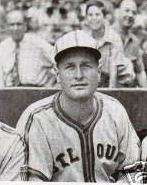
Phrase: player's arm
(13, 161)
(130, 147)
(38, 158)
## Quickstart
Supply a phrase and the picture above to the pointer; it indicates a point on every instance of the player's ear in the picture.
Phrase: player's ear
(99, 69)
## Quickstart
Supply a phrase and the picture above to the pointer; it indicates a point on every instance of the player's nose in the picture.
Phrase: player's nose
(78, 73)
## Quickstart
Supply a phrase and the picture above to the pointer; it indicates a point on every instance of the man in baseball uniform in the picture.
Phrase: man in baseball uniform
(77, 134)
(11, 154)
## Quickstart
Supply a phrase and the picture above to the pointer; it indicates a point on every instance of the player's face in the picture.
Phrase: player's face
(79, 74)
(16, 25)
(94, 17)
(127, 14)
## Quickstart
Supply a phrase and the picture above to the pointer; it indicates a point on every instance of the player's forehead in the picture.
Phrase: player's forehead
(77, 57)
(15, 17)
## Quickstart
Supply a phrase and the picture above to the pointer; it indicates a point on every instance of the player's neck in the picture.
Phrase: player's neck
(80, 111)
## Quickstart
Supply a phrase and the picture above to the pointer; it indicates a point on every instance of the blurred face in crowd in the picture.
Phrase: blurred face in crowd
(10, 6)
(78, 74)
(15, 21)
(94, 17)
(128, 12)
(37, 3)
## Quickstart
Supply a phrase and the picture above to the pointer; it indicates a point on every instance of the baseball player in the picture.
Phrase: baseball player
(11, 154)
(77, 134)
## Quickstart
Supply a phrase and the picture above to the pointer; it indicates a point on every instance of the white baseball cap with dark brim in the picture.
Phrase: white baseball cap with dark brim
(75, 39)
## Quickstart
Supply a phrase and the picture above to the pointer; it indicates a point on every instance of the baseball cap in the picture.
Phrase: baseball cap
(75, 39)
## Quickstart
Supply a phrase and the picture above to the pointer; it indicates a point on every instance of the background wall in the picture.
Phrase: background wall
(13, 102)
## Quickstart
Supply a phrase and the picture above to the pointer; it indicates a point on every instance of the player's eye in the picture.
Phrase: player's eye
(86, 66)
(69, 67)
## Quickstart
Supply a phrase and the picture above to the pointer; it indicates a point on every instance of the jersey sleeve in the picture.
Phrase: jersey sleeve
(13, 161)
(129, 144)
(38, 156)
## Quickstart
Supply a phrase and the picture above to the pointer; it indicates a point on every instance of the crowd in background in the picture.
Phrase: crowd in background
(50, 19)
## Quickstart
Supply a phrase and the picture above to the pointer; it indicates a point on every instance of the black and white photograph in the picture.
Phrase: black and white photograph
(73, 91)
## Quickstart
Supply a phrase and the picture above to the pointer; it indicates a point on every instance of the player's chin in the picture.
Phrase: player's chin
(81, 94)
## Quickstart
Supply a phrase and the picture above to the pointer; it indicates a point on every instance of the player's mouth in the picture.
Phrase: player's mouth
(79, 85)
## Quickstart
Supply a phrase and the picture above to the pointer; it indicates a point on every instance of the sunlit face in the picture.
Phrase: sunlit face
(15, 21)
(94, 17)
(78, 74)
(127, 14)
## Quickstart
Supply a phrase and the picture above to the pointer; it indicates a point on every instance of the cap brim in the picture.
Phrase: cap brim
(62, 53)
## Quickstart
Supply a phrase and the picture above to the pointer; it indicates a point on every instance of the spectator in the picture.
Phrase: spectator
(25, 58)
(109, 11)
(45, 27)
(35, 13)
(109, 43)
(125, 21)
(72, 16)
(140, 25)
(10, 6)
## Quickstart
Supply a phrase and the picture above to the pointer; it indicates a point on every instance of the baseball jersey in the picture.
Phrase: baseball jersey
(60, 149)
(11, 154)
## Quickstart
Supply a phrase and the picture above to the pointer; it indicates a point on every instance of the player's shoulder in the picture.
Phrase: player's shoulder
(34, 110)
(110, 103)
(38, 106)
(107, 98)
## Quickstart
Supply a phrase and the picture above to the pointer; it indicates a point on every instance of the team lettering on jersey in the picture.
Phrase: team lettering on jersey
(61, 159)
(108, 152)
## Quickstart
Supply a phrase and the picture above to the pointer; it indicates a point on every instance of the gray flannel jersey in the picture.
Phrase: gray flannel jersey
(60, 149)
